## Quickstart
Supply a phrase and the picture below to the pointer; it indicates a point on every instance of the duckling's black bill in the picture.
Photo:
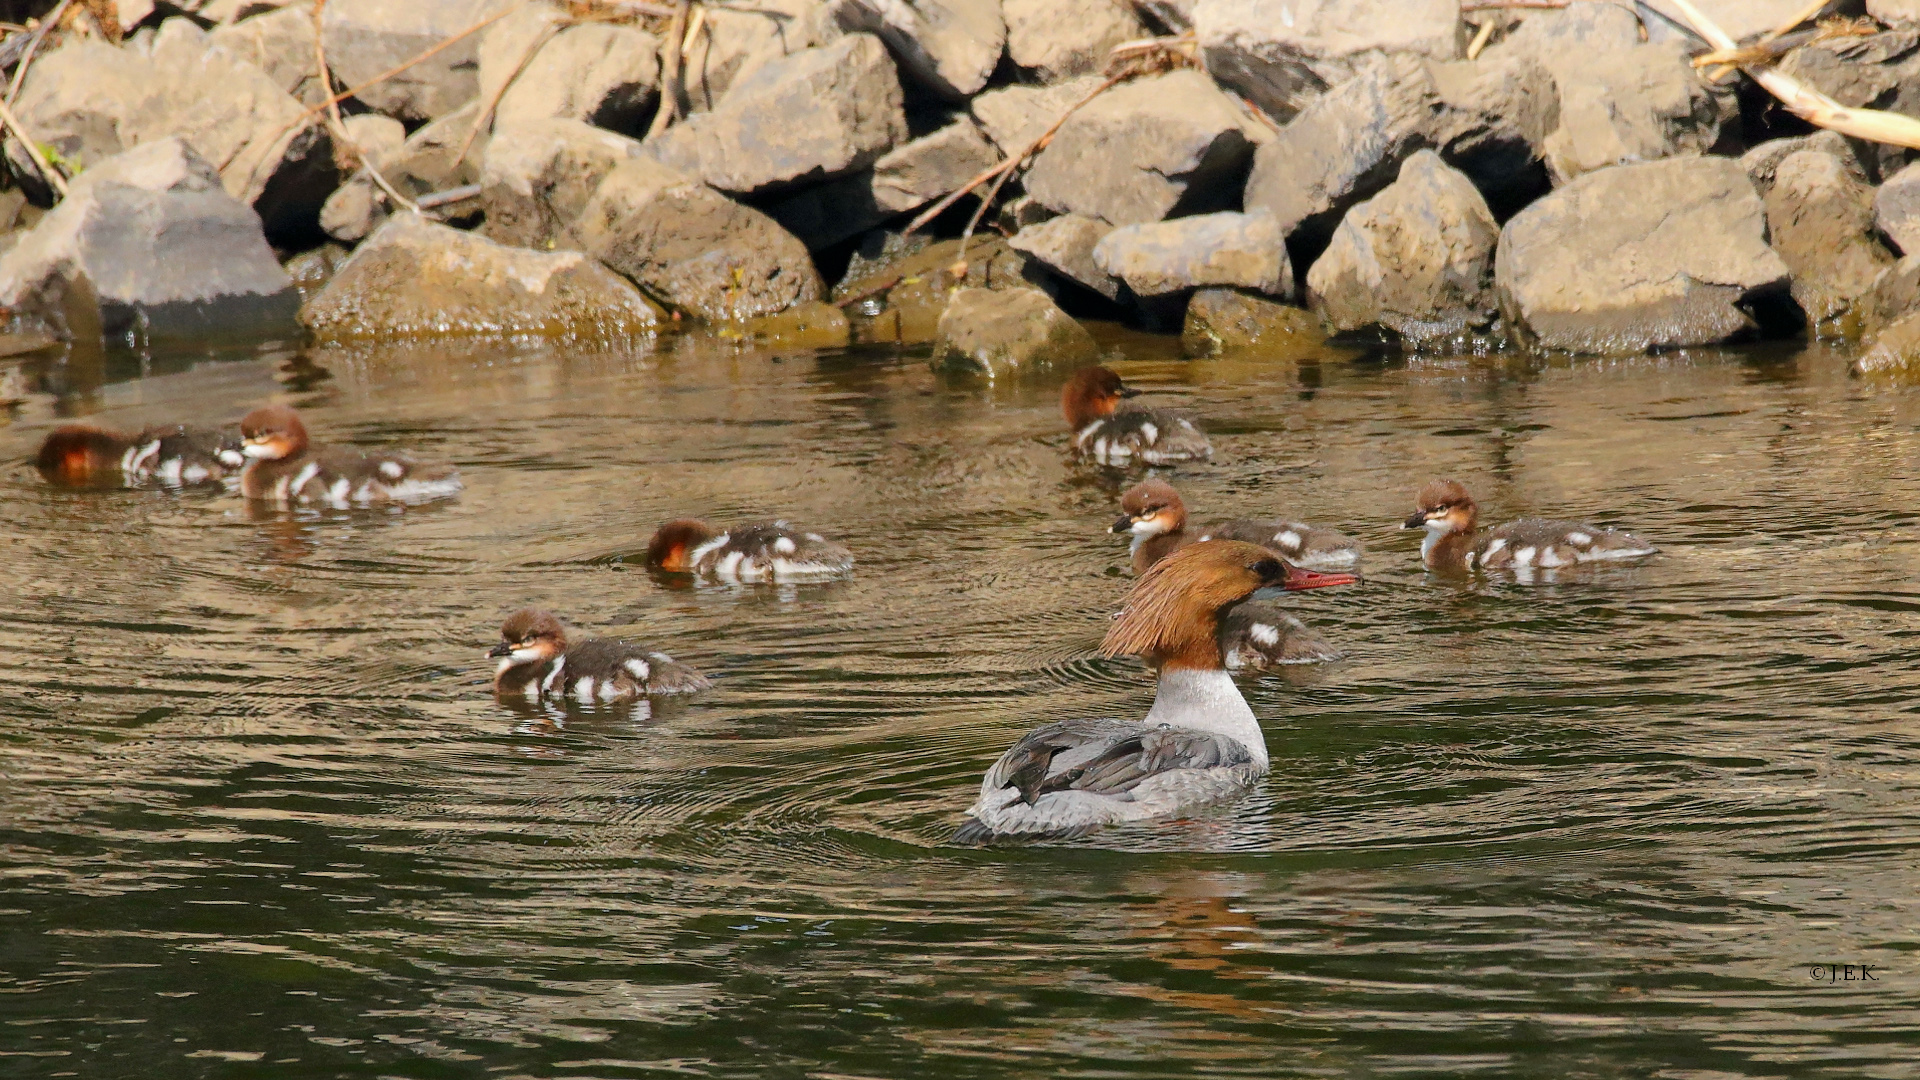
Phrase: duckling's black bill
(502, 649)
(1123, 523)
(1417, 521)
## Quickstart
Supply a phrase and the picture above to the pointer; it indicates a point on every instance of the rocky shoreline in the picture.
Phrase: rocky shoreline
(1403, 173)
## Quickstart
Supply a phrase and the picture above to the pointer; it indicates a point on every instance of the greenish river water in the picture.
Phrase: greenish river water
(260, 817)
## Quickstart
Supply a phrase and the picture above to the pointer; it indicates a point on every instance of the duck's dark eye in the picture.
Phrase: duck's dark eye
(1266, 568)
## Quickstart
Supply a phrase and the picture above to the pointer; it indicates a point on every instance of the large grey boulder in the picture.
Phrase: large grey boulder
(1144, 150)
(1880, 72)
(1764, 160)
(1741, 19)
(948, 46)
(1620, 100)
(1659, 254)
(1414, 262)
(1280, 56)
(599, 72)
(692, 248)
(905, 178)
(1350, 143)
(1065, 245)
(1821, 221)
(815, 115)
(1896, 209)
(149, 238)
(366, 38)
(1224, 249)
(1057, 39)
(429, 161)
(89, 101)
(417, 278)
(279, 43)
(538, 177)
(1001, 333)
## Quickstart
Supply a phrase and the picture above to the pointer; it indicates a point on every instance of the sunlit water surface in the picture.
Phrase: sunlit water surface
(261, 817)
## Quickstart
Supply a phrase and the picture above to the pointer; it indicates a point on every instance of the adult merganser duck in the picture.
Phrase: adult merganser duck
(172, 455)
(1115, 435)
(1258, 632)
(284, 468)
(536, 661)
(1157, 517)
(1199, 743)
(1453, 545)
(762, 551)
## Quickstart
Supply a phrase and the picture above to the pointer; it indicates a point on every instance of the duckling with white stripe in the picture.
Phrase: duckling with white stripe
(761, 551)
(1157, 517)
(1454, 544)
(169, 455)
(536, 661)
(1113, 434)
(285, 468)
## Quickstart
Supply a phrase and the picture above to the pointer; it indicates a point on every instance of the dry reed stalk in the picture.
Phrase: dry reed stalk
(1481, 37)
(33, 44)
(1809, 104)
(53, 177)
(1812, 9)
(663, 116)
(486, 111)
(337, 128)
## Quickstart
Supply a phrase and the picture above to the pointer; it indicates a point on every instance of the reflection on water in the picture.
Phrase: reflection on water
(260, 814)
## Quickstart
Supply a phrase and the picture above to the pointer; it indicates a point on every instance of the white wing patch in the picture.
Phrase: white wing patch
(1149, 434)
(1579, 539)
(638, 668)
(392, 470)
(1263, 635)
(1288, 539)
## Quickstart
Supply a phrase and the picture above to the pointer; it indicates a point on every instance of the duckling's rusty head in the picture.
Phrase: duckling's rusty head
(1151, 508)
(272, 433)
(1092, 394)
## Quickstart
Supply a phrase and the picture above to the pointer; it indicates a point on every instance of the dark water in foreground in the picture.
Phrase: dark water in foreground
(259, 816)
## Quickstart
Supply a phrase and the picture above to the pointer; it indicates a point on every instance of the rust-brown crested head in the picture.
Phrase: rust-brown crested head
(272, 432)
(1443, 504)
(1172, 613)
(1151, 508)
(80, 454)
(1092, 394)
(530, 635)
(671, 542)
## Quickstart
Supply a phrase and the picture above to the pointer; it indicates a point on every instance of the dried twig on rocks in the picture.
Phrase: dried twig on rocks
(485, 115)
(670, 71)
(1013, 161)
(52, 175)
(334, 124)
(426, 54)
(451, 195)
(1807, 103)
(1500, 5)
(1481, 37)
(33, 45)
(1726, 67)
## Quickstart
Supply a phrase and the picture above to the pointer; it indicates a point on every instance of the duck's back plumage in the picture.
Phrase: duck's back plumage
(1259, 633)
(340, 477)
(609, 669)
(768, 551)
(1073, 776)
(1546, 543)
(1135, 433)
(1297, 542)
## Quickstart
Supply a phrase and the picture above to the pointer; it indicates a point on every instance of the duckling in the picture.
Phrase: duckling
(171, 455)
(1157, 517)
(285, 468)
(761, 551)
(1454, 544)
(536, 661)
(1113, 434)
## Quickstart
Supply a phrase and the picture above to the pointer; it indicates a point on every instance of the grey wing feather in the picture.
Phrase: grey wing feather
(1107, 757)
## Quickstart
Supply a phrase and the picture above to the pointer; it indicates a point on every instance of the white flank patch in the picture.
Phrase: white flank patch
(1149, 434)
(583, 689)
(337, 494)
(785, 545)
(1523, 556)
(1551, 557)
(1263, 635)
(729, 565)
(139, 457)
(609, 691)
(392, 470)
(1579, 539)
(638, 668)
(553, 677)
(307, 472)
(193, 474)
(1499, 545)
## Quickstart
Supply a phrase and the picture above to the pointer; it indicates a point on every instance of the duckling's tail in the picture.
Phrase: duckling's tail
(81, 454)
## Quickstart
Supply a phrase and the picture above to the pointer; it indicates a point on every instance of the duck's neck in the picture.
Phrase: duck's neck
(1150, 549)
(1446, 549)
(1207, 700)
